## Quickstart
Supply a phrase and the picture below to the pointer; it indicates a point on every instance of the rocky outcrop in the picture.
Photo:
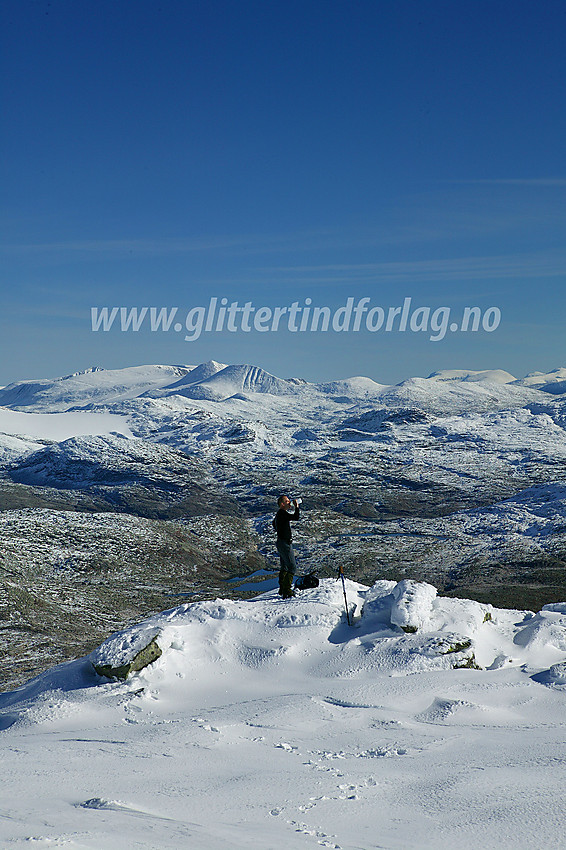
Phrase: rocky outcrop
(121, 655)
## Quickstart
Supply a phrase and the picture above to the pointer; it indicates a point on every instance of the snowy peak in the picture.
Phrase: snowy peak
(494, 376)
(550, 382)
(204, 371)
(194, 376)
(442, 392)
(231, 380)
(98, 386)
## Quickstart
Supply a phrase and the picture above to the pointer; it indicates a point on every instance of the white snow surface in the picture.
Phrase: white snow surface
(497, 376)
(62, 426)
(273, 724)
(92, 385)
(553, 382)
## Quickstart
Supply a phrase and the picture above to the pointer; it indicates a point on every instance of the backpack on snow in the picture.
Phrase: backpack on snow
(306, 582)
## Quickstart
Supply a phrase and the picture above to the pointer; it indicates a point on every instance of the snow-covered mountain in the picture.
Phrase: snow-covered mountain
(237, 379)
(101, 386)
(445, 391)
(126, 475)
(275, 724)
(492, 376)
(193, 376)
(552, 382)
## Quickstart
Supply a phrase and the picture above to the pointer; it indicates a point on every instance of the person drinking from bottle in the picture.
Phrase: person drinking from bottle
(282, 525)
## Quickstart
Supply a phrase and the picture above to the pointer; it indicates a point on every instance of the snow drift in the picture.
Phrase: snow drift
(271, 723)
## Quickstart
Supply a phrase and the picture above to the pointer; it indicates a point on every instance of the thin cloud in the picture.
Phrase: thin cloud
(130, 246)
(248, 243)
(462, 268)
(513, 181)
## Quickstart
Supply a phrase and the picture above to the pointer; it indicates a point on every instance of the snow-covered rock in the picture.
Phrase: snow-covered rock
(127, 653)
(404, 625)
(412, 604)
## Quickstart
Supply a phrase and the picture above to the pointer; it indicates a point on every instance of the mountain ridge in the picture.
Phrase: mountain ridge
(215, 381)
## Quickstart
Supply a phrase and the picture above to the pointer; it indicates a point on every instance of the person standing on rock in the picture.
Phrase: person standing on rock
(282, 525)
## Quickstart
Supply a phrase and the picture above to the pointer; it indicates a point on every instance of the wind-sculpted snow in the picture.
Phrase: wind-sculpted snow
(412, 605)
(545, 631)
(403, 625)
(272, 723)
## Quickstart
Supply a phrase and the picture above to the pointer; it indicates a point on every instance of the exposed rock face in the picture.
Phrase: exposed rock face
(111, 665)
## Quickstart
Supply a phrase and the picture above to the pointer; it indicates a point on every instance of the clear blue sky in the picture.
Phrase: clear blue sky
(163, 153)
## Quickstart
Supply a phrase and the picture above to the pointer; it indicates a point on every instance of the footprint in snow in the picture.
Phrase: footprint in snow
(287, 747)
(324, 839)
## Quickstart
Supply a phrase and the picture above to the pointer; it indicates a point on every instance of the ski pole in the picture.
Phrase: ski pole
(341, 571)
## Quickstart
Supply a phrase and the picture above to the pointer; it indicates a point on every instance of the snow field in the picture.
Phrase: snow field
(268, 723)
(271, 724)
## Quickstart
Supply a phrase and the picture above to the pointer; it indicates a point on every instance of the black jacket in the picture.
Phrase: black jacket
(282, 523)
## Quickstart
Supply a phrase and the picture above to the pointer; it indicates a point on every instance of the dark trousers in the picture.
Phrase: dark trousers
(288, 566)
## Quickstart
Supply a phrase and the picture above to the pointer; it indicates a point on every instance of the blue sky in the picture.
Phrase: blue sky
(165, 153)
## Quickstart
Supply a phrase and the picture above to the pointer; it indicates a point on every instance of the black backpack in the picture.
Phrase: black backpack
(306, 582)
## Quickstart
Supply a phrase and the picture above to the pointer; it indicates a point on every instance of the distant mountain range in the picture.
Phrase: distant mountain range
(213, 381)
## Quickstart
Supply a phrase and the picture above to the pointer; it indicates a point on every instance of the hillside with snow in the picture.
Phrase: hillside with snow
(456, 479)
(94, 385)
(428, 723)
(139, 502)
